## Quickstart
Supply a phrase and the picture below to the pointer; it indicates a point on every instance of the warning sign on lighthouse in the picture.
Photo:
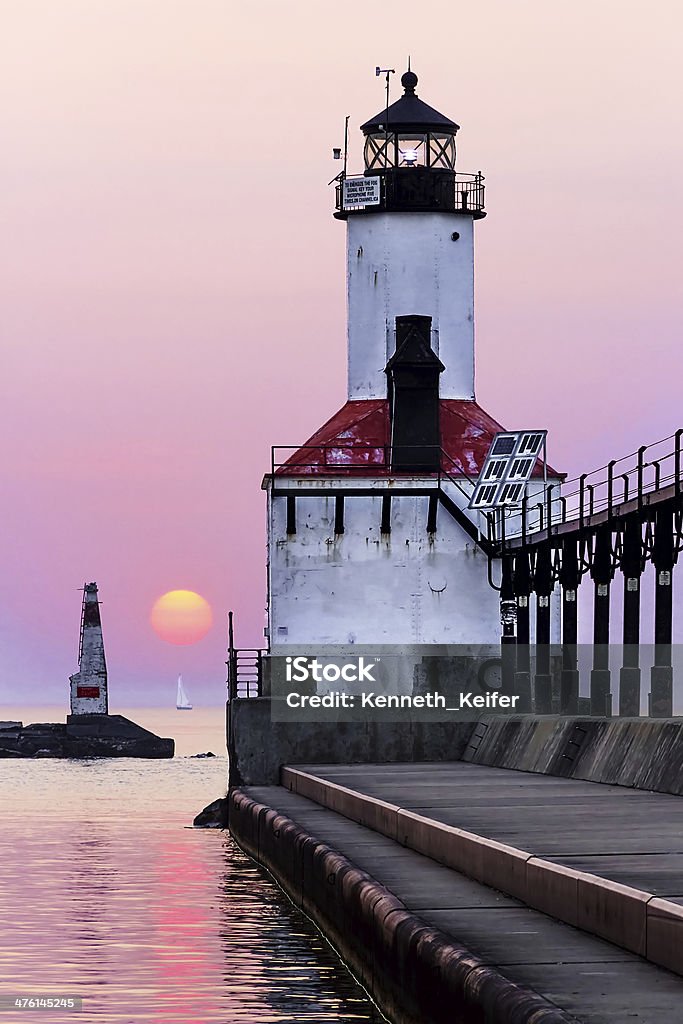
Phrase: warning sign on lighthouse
(361, 192)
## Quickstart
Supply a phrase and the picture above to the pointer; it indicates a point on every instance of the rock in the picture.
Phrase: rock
(209, 753)
(214, 815)
(85, 736)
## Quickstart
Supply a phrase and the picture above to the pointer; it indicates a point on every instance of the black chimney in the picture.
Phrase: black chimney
(413, 385)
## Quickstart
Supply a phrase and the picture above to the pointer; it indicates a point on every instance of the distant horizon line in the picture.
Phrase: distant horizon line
(167, 707)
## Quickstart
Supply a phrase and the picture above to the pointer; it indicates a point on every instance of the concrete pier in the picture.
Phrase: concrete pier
(602, 858)
(433, 945)
(470, 892)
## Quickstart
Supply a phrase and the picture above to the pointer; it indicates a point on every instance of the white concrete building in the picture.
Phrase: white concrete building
(370, 539)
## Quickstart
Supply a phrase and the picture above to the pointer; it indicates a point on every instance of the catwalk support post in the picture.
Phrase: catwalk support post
(632, 568)
(663, 558)
(543, 585)
(570, 577)
(601, 573)
(522, 587)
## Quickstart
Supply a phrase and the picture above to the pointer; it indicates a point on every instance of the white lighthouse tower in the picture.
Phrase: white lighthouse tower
(370, 538)
(413, 251)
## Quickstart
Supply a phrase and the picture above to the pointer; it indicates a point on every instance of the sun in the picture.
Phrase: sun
(181, 617)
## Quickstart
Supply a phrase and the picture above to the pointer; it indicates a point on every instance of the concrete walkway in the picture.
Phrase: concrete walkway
(597, 982)
(626, 835)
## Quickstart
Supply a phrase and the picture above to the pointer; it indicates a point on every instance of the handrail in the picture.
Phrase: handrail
(457, 190)
(80, 635)
(245, 668)
(645, 471)
(384, 459)
(648, 470)
(438, 473)
(245, 672)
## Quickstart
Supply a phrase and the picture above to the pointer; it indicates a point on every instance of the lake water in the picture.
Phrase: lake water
(106, 895)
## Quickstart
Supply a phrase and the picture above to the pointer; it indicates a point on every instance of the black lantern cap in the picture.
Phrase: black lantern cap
(410, 114)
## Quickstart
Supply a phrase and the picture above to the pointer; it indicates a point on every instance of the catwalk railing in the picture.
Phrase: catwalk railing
(358, 457)
(623, 517)
(620, 518)
(396, 469)
(642, 479)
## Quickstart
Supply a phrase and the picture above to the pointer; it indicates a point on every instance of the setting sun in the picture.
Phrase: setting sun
(181, 617)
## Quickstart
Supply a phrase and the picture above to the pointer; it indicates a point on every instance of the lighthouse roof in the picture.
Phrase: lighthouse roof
(410, 113)
(357, 439)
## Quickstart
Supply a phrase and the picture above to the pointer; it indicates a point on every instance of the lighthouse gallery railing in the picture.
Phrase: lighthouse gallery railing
(458, 193)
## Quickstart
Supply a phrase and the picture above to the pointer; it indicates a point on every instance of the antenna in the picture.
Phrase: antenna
(386, 71)
(346, 142)
(337, 153)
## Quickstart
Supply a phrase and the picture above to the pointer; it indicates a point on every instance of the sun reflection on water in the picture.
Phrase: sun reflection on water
(105, 895)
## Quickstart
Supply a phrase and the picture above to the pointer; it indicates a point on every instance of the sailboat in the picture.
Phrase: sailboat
(182, 701)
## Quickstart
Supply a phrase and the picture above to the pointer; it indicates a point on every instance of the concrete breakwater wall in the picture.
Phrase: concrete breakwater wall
(83, 735)
(259, 746)
(416, 974)
(642, 753)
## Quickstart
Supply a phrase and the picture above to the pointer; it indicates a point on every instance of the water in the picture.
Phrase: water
(104, 894)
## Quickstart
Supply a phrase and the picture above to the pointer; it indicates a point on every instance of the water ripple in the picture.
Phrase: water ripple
(104, 894)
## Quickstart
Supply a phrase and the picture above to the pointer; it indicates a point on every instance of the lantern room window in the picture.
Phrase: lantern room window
(407, 149)
(379, 151)
(413, 150)
(442, 151)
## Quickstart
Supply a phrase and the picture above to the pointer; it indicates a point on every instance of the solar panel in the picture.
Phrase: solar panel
(532, 441)
(507, 468)
(496, 469)
(503, 444)
(520, 469)
(510, 494)
(487, 493)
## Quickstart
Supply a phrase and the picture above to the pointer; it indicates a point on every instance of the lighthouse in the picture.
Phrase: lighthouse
(89, 685)
(370, 536)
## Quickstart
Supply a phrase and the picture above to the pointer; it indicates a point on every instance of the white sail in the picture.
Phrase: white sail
(182, 701)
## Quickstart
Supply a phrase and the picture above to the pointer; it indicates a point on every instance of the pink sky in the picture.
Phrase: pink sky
(172, 280)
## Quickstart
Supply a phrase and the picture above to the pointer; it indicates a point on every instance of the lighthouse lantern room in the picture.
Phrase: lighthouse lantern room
(370, 536)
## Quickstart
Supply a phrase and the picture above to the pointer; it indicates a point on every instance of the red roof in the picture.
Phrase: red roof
(356, 438)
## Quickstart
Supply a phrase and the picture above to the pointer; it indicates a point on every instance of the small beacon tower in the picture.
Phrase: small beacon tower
(89, 684)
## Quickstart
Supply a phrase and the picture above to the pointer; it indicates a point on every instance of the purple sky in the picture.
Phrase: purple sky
(173, 281)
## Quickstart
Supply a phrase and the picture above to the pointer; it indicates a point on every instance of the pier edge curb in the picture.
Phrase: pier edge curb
(415, 973)
(639, 921)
